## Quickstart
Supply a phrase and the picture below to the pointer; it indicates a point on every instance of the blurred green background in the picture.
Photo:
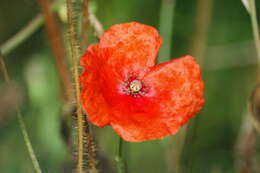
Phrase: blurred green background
(218, 32)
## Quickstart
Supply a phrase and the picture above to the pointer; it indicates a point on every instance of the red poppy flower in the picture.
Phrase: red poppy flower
(123, 87)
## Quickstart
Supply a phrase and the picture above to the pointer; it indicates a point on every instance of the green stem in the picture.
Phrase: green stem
(22, 35)
(25, 32)
(166, 28)
(28, 142)
(255, 28)
(21, 122)
(121, 168)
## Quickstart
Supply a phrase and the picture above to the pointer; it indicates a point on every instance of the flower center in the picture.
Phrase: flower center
(135, 86)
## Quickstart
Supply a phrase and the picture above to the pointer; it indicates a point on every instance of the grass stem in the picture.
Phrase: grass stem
(166, 29)
(21, 122)
(25, 32)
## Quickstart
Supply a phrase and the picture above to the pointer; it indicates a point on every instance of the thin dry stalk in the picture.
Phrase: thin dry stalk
(246, 143)
(254, 107)
(84, 25)
(200, 36)
(22, 35)
(246, 147)
(96, 24)
(57, 48)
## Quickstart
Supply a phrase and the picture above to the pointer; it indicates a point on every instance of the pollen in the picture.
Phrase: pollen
(135, 86)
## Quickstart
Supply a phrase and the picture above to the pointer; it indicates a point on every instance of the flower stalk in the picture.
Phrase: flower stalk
(74, 52)
(120, 159)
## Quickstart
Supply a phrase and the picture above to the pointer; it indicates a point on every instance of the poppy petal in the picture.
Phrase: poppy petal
(178, 88)
(175, 95)
(133, 46)
(138, 131)
(92, 98)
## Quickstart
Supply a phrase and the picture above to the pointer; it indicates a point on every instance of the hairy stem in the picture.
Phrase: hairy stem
(91, 154)
(90, 146)
(21, 122)
(74, 52)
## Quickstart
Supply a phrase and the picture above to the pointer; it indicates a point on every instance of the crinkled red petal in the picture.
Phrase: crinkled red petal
(92, 99)
(175, 95)
(178, 85)
(133, 46)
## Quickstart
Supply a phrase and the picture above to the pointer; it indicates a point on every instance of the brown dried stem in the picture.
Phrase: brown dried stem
(254, 107)
(245, 147)
(57, 48)
(96, 24)
(246, 143)
(200, 35)
(84, 25)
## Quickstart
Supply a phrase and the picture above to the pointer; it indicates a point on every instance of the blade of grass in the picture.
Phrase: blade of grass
(21, 122)
(255, 28)
(198, 45)
(166, 28)
(25, 32)
(200, 35)
(22, 35)
(96, 24)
